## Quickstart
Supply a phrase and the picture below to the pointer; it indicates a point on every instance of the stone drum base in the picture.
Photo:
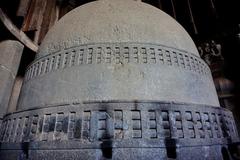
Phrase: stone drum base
(118, 130)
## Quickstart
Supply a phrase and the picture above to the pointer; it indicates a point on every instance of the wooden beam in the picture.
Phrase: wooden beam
(160, 4)
(214, 11)
(28, 17)
(20, 35)
(34, 18)
(191, 17)
(173, 9)
(47, 17)
(23, 8)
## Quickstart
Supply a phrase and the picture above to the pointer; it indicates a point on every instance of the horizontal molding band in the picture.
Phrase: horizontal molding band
(117, 53)
(125, 124)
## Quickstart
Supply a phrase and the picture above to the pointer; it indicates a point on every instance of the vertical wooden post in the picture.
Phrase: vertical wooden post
(160, 4)
(212, 4)
(23, 7)
(173, 9)
(191, 17)
(213, 8)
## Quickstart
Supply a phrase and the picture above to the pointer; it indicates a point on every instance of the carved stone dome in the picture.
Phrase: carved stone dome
(117, 79)
(116, 21)
(117, 50)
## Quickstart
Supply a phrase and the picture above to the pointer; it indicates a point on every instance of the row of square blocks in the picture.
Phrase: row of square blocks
(118, 124)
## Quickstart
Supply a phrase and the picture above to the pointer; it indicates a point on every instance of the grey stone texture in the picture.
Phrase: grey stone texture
(117, 130)
(10, 56)
(117, 79)
(124, 50)
(119, 71)
(116, 21)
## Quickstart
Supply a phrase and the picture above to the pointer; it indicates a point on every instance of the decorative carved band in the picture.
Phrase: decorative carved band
(117, 53)
(96, 122)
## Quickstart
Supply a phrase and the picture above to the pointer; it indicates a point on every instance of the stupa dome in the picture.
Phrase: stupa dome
(117, 79)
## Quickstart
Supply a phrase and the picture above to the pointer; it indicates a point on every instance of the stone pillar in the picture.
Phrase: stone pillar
(10, 56)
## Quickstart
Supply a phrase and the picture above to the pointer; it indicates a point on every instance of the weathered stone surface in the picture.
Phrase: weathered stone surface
(10, 56)
(118, 79)
(118, 71)
(119, 131)
(116, 21)
(124, 50)
(201, 153)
